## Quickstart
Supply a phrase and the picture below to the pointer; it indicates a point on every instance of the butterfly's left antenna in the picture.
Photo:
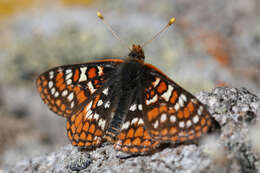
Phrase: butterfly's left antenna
(99, 14)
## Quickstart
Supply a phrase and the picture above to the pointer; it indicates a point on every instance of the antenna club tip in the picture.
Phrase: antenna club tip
(99, 14)
(172, 20)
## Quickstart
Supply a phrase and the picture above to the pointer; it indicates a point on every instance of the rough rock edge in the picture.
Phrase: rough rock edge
(230, 150)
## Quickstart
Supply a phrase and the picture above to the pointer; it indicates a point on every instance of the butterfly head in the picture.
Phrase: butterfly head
(137, 53)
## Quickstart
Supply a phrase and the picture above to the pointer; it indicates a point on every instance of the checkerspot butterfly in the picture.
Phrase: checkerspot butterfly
(127, 102)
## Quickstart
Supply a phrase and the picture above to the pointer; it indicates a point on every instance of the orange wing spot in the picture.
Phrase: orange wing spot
(83, 136)
(74, 143)
(62, 87)
(87, 144)
(165, 138)
(73, 117)
(58, 102)
(79, 128)
(154, 132)
(163, 108)
(173, 130)
(134, 150)
(146, 143)
(146, 135)
(164, 132)
(76, 137)
(69, 135)
(78, 119)
(162, 87)
(81, 96)
(203, 121)
(73, 128)
(68, 111)
(42, 96)
(139, 131)
(86, 126)
(89, 138)
(190, 107)
(197, 128)
(76, 89)
(174, 138)
(92, 128)
(152, 93)
(144, 150)
(155, 143)
(60, 113)
(76, 75)
(191, 137)
(81, 144)
(205, 129)
(125, 149)
(54, 109)
(186, 113)
(127, 142)
(98, 132)
(130, 133)
(39, 88)
(95, 101)
(68, 125)
(121, 136)
(45, 91)
(48, 97)
(174, 97)
(137, 142)
(92, 73)
(180, 114)
(59, 76)
(209, 122)
(38, 82)
(52, 102)
(182, 139)
(153, 114)
(63, 107)
(45, 83)
(198, 134)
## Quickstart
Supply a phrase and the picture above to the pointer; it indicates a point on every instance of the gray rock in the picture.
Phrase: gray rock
(230, 149)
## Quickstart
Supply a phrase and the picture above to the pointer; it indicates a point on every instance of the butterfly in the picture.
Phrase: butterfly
(127, 102)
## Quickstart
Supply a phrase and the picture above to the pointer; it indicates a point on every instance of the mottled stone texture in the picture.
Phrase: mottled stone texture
(231, 149)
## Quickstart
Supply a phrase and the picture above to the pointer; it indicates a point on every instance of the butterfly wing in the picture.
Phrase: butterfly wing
(67, 89)
(134, 137)
(81, 93)
(171, 113)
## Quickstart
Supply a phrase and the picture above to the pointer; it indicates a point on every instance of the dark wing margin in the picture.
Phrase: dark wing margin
(172, 114)
(67, 89)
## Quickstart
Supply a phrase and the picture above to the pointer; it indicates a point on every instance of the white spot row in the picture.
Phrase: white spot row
(83, 76)
(152, 100)
(166, 95)
(51, 74)
(102, 123)
(156, 82)
(91, 87)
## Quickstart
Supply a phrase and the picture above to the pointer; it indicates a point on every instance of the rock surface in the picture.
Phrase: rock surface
(233, 148)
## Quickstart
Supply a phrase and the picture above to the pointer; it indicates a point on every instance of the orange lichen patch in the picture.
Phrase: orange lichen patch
(68, 125)
(162, 87)
(186, 113)
(79, 127)
(144, 150)
(153, 114)
(81, 144)
(76, 75)
(58, 102)
(89, 138)
(164, 131)
(198, 127)
(173, 130)
(130, 133)
(137, 141)
(139, 131)
(121, 136)
(76, 89)
(92, 73)
(146, 143)
(174, 97)
(127, 142)
(92, 128)
(76, 137)
(180, 114)
(83, 136)
(44, 83)
(98, 132)
(81, 96)
(205, 129)
(190, 107)
(95, 101)
(69, 135)
(203, 121)
(78, 119)
(134, 150)
(174, 138)
(163, 108)
(146, 135)
(63, 107)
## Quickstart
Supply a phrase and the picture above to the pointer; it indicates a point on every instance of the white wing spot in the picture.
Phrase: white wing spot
(163, 117)
(134, 120)
(51, 74)
(100, 71)
(200, 110)
(177, 107)
(96, 116)
(133, 107)
(83, 76)
(180, 101)
(68, 76)
(181, 124)
(188, 123)
(107, 104)
(195, 119)
(68, 71)
(102, 123)
(125, 125)
(68, 82)
(140, 107)
(89, 114)
(153, 100)
(140, 121)
(64, 93)
(53, 91)
(50, 84)
(156, 124)
(89, 106)
(166, 95)
(172, 118)
(72, 104)
(100, 102)
(91, 88)
(56, 94)
(184, 98)
(70, 96)
(156, 82)
(105, 91)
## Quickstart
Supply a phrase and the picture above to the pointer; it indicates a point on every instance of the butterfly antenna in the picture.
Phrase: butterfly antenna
(171, 21)
(99, 14)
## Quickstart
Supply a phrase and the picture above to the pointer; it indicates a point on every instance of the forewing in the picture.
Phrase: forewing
(134, 137)
(172, 113)
(67, 89)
